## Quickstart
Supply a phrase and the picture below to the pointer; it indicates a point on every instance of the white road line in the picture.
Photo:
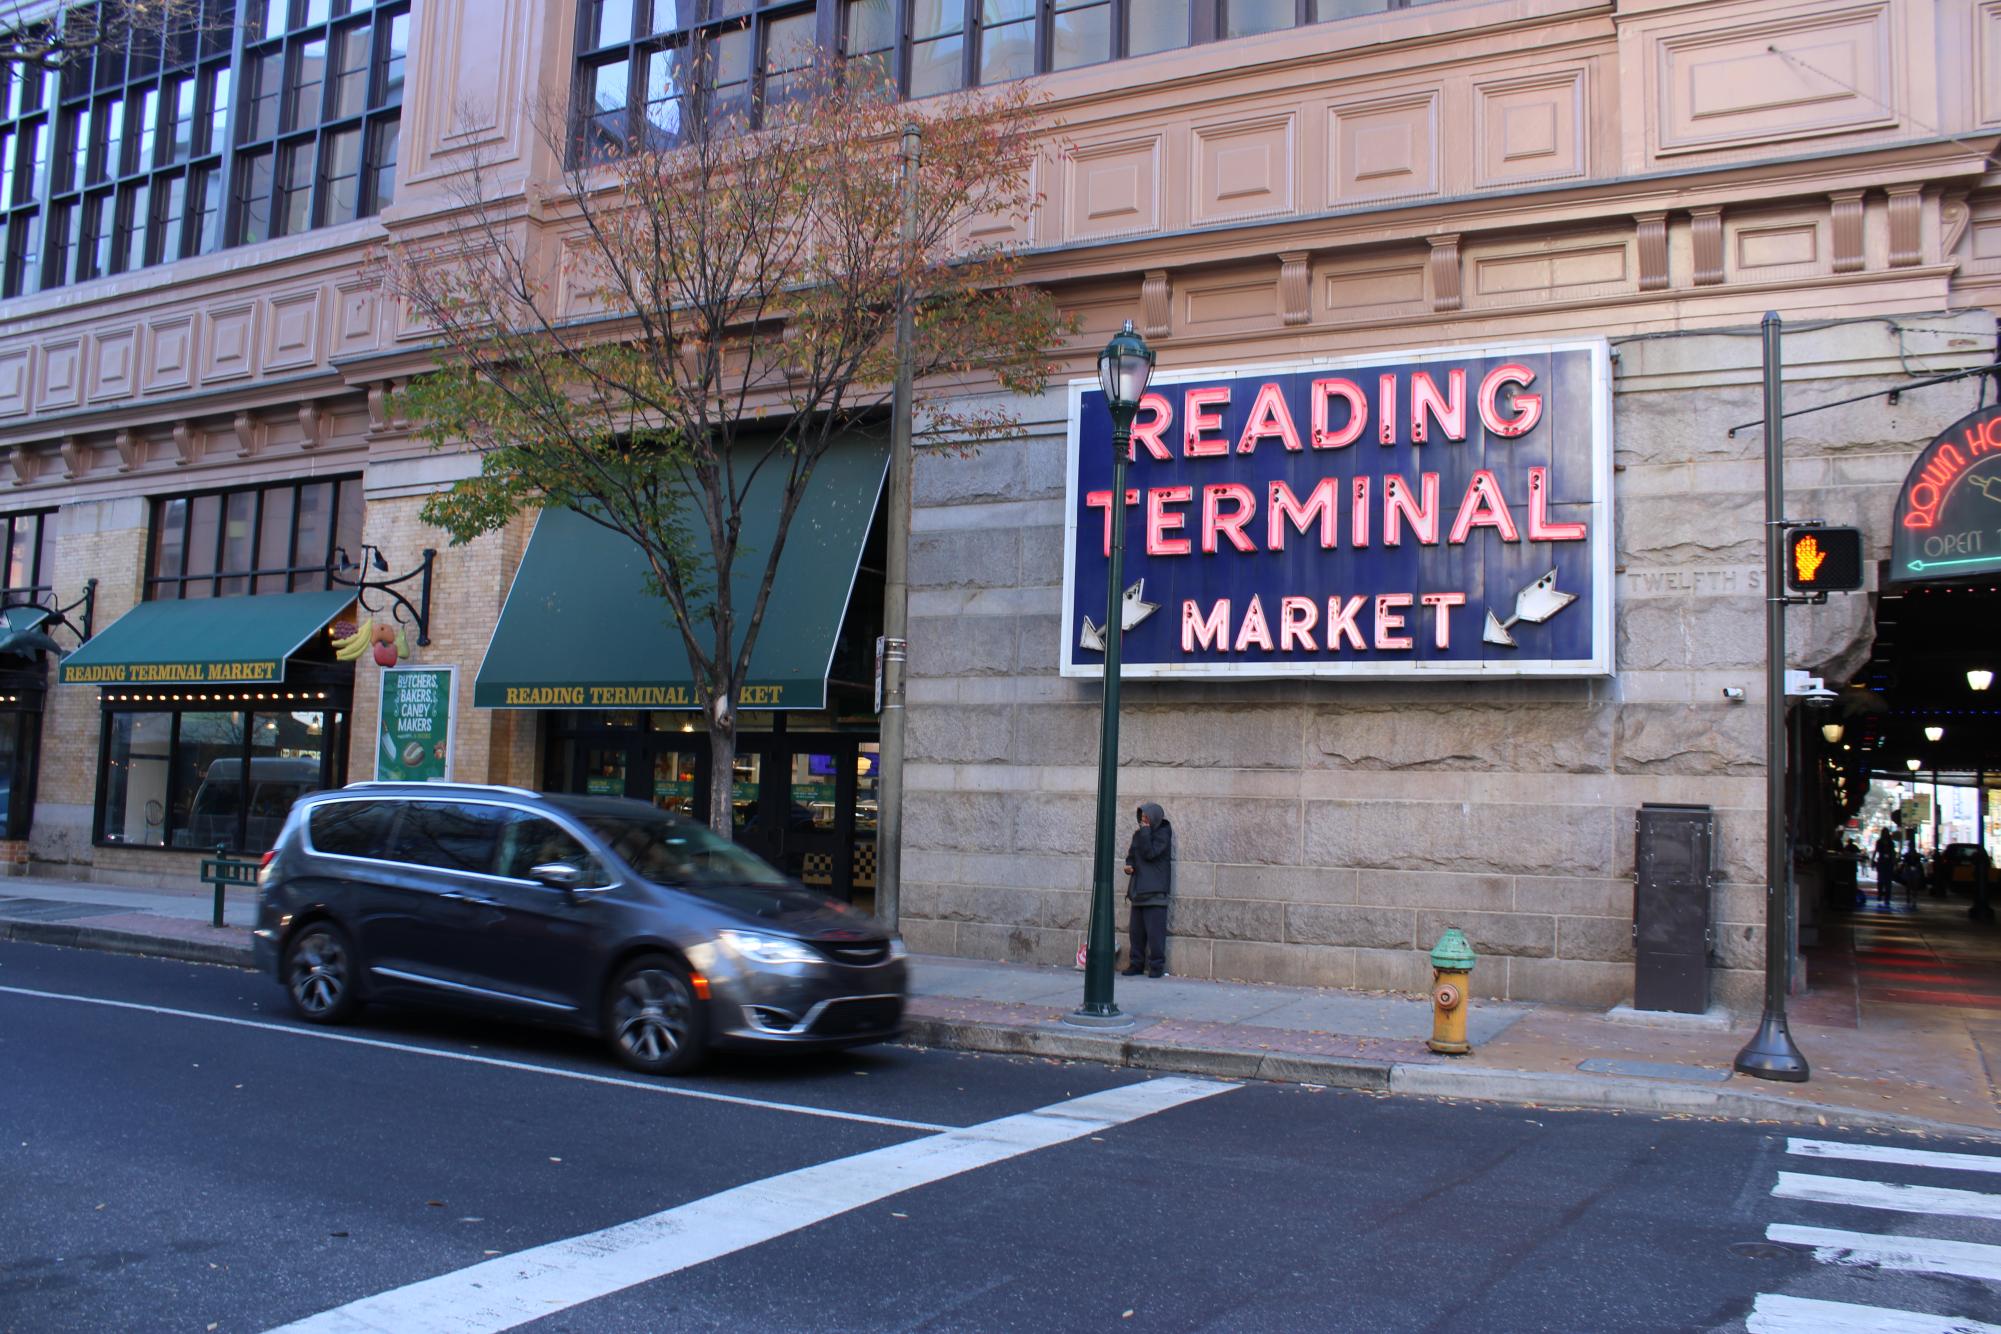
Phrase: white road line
(533, 1284)
(1803, 1315)
(1883, 1153)
(1916, 1255)
(1886, 1195)
(644, 1086)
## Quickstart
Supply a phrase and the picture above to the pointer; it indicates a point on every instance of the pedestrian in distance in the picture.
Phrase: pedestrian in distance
(1149, 885)
(1886, 863)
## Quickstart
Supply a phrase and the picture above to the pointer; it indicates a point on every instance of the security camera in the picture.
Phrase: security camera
(1733, 693)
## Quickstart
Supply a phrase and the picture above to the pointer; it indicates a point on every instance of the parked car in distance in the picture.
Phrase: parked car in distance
(1956, 868)
(594, 913)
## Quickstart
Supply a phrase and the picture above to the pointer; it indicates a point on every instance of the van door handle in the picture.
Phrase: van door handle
(454, 896)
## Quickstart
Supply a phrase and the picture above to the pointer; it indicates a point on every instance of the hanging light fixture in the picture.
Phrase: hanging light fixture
(1832, 731)
(1979, 678)
(1914, 765)
(1934, 733)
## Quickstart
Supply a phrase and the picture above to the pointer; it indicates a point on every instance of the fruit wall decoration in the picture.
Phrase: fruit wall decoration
(390, 642)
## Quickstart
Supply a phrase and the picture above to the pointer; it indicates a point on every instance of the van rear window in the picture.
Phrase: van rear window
(352, 828)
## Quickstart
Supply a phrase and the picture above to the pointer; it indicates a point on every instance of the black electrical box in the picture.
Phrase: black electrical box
(1824, 560)
(1673, 857)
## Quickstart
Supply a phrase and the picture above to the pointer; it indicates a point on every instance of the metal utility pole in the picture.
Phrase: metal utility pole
(893, 648)
(1771, 1053)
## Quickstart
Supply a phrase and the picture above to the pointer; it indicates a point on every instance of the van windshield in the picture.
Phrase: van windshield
(672, 851)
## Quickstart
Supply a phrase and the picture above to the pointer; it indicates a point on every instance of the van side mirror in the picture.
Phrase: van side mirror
(557, 875)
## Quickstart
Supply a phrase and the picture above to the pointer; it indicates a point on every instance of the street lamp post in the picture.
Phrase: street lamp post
(1124, 368)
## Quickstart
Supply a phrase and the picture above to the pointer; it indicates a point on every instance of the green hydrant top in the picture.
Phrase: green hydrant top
(1452, 954)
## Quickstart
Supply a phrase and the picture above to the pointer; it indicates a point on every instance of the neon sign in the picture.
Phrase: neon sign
(1948, 520)
(1443, 513)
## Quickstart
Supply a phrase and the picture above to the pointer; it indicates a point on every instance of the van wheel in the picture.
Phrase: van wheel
(652, 1019)
(322, 973)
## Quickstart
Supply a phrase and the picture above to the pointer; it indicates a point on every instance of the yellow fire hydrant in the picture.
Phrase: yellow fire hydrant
(1451, 974)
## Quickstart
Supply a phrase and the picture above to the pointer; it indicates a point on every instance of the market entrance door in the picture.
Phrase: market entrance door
(807, 803)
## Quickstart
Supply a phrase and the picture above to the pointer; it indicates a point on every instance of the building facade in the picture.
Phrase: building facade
(199, 369)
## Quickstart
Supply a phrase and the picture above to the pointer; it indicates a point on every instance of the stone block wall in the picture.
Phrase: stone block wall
(1329, 831)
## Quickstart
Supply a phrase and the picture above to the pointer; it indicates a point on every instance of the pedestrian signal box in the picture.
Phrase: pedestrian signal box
(1824, 560)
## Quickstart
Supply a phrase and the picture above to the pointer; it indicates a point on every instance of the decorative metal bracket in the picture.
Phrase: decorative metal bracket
(88, 602)
(401, 608)
(36, 637)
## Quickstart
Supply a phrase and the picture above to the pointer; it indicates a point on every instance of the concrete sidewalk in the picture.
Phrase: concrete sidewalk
(1910, 1067)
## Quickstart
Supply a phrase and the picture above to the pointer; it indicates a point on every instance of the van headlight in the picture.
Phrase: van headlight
(897, 949)
(767, 949)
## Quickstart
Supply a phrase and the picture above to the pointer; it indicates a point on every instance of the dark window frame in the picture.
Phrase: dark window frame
(299, 573)
(696, 39)
(334, 710)
(44, 243)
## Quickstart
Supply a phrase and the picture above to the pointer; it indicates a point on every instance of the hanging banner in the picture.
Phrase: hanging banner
(414, 730)
(1948, 523)
(1442, 513)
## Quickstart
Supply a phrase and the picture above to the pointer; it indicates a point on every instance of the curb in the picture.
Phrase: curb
(114, 941)
(1139, 1054)
(1552, 1089)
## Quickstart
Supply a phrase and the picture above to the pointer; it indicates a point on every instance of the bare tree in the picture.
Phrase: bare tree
(731, 305)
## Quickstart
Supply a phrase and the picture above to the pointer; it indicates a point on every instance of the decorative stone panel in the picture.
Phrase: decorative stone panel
(114, 355)
(292, 331)
(1113, 189)
(169, 360)
(1845, 220)
(1243, 169)
(1650, 231)
(229, 342)
(15, 366)
(1529, 129)
(1385, 149)
(1906, 225)
(1362, 295)
(62, 374)
(1820, 73)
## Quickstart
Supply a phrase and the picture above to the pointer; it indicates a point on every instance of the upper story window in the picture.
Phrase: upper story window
(645, 67)
(925, 47)
(270, 539)
(320, 117)
(28, 544)
(243, 120)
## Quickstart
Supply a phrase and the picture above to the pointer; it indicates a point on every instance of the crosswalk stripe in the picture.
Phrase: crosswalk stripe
(1883, 1153)
(1887, 1195)
(1917, 1255)
(1773, 1314)
(543, 1281)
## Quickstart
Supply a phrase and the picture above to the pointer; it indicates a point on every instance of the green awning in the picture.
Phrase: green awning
(581, 630)
(205, 641)
(21, 631)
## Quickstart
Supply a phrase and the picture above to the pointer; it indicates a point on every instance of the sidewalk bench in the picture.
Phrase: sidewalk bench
(223, 871)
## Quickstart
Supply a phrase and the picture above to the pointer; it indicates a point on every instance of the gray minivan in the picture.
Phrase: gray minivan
(594, 913)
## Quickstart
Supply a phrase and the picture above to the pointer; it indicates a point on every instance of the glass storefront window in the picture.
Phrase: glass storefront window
(744, 780)
(138, 746)
(207, 778)
(867, 768)
(604, 771)
(814, 791)
(178, 779)
(287, 755)
(674, 782)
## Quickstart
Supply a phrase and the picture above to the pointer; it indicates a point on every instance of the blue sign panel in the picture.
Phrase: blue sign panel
(1439, 513)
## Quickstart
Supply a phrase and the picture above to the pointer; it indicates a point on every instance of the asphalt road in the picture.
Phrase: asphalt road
(186, 1157)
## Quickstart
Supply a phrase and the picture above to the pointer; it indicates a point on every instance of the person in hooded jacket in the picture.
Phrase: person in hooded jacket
(1149, 885)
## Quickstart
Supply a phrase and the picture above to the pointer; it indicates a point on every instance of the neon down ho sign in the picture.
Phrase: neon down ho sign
(1439, 513)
